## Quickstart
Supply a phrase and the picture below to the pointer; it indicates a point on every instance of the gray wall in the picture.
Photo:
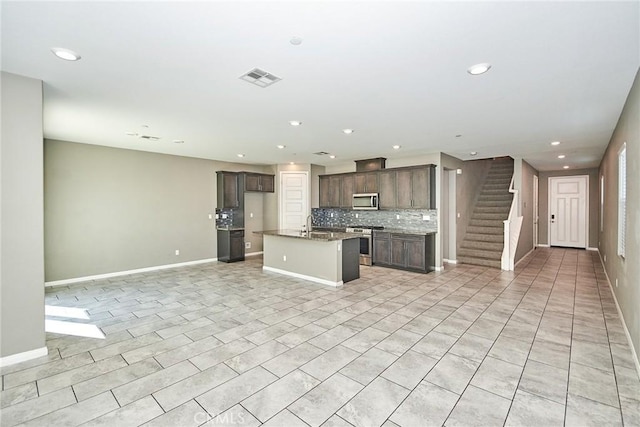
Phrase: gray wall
(626, 271)
(594, 203)
(525, 241)
(21, 231)
(111, 210)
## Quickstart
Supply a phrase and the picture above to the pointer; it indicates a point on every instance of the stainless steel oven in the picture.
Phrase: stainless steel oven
(366, 241)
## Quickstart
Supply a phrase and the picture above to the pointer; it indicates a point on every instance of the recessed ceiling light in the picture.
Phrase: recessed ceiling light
(474, 70)
(565, 167)
(295, 123)
(296, 41)
(178, 141)
(458, 136)
(331, 156)
(66, 54)
(240, 155)
(473, 153)
(281, 146)
(555, 143)
(396, 147)
(561, 156)
(348, 131)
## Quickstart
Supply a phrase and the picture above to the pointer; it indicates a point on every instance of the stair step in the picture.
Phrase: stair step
(480, 261)
(486, 230)
(494, 204)
(489, 215)
(493, 209)
(497, 197)
(497, 223)
(500, 181)
(501, 191)
(479, 237)
(480, 253)
(489, 246)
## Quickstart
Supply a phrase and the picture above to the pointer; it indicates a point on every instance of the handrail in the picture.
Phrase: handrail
(512, 227)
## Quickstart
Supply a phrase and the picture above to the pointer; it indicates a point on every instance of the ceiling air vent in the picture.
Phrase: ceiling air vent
(321, 153)
(149, 137)
(260, 78)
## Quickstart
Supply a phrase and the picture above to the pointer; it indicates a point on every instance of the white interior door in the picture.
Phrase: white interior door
(568, 211)
(294, 200)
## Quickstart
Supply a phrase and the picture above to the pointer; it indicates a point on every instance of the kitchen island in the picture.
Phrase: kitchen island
(330, 258)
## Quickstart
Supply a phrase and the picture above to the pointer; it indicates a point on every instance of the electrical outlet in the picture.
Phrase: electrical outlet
(331, 214)
(210, 216)
(225, 216)
(458, 214)
(177, 251)
(426, 218)
(357, 215)
(616, 283)
(251, 215)
(397, 216)
(284, 258)
(247, 245)
(605, 257)
(217, 216)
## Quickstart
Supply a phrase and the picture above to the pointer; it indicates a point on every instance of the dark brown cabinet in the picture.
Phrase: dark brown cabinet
(259, 182)
(414, 188)
(366, 182)
(387, 192)
(415, 252)
(230, 245)
(331, 189)
(229, 185)
(346, 191)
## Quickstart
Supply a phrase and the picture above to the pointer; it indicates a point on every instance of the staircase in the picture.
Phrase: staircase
(484, 241)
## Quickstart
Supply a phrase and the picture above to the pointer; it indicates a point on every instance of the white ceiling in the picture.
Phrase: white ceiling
(393, 71)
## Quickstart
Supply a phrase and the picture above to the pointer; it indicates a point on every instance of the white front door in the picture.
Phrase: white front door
(568, 211)
(535, 211)
(294, 200)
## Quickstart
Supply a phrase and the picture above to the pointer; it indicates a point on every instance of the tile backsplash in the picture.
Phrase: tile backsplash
(407, 219)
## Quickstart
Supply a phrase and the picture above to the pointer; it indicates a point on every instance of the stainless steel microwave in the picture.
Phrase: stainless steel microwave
(365, 201)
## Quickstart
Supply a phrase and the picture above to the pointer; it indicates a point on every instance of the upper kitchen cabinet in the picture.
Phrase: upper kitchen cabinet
(366, 182)
(229, 186)
(330, 191)
(387, 189)
(347, 187)
(259, 182)
(415, 187)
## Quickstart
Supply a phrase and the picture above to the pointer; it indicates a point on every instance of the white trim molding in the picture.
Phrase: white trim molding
(127, 272)
(253, 253)
(303, 276)
(592, 249)
(634, 353)
(23, 357)
(543, 245)
(450, 261)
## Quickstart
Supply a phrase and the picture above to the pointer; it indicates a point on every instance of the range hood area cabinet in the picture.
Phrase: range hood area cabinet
(259, 182)
(399, 188)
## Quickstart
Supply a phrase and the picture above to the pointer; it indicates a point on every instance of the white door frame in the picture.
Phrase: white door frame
(536, 211)
(307, 195)
(586, 213)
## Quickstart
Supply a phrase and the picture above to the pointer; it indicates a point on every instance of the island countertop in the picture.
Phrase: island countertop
(324, 236)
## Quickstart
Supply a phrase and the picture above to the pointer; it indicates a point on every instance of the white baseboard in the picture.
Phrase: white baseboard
(593, 249)
(127, 272)
(542, 245)
(253, 254)
(303, 276)
(23, 357)
(634, 354)
(450, 261)
(436, 268)
(521, 259)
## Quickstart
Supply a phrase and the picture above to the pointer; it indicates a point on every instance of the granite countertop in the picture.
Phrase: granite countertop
(405, 231)
(230, 228)
(323, 236)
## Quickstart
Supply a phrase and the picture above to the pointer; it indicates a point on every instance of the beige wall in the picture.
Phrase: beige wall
(624, 271)
(526, 172)
(594, 203)
(21, 230)
(109, 210)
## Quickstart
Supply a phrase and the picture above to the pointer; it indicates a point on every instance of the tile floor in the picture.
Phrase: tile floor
(227, 344)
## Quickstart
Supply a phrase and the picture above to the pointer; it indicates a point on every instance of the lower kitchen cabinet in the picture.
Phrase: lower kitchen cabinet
(415, 252)
(230, 245)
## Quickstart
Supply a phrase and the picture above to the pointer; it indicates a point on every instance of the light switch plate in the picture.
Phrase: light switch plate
(426, 218)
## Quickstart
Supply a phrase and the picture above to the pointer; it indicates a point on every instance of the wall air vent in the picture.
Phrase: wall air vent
(260, 78)
(321, 153)
(150, 138)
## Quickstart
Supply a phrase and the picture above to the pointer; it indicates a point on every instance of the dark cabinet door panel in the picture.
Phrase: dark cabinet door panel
(381, 248)
(387, 196)
(403, 189)
(346, 193)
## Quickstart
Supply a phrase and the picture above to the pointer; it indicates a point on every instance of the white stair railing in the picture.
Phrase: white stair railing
(512, 227)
